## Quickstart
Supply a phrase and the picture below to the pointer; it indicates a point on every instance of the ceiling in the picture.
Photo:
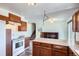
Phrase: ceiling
(36, 11)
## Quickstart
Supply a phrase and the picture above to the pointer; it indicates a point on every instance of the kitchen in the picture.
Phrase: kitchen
(52, 39)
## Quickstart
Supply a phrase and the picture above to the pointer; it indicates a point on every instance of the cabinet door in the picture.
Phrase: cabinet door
(58, 53)
(14, 18)
(45, 51)
(36, 50)
(59, 50)
(23, 26)
(74, 28)
(71, 53)
(75, 22)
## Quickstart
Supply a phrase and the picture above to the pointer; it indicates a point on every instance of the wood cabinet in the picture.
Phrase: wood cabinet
(27, 42)
(59, 50)
(71, 53)
(40, 49)
(36, 49)
(4, 18)
(23, 26)
(45, 49)
(75, 22)
(14, 18)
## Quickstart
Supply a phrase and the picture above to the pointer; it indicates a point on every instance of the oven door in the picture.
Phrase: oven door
(18, 46)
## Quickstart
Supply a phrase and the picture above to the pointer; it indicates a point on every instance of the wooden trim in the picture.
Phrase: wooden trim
(4, 18)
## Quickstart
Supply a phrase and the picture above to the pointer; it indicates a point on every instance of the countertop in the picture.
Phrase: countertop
(52, 41)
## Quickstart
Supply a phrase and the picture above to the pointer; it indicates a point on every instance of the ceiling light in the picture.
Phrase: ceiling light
(31, 4)
(50, 20)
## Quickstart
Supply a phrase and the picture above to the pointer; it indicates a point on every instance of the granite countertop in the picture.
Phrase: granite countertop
(52, 41)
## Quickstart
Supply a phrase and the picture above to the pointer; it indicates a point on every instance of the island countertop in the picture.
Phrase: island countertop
(52, 41)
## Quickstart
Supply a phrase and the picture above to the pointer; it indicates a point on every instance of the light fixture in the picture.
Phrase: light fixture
(50, 20)
(31, 4)
(46, 18)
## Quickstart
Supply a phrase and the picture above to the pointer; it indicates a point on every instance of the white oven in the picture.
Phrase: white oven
(18, 46)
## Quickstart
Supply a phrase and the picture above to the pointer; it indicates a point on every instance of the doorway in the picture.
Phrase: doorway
(33, 35)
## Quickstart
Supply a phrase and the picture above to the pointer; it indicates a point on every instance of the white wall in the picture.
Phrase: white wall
(71, 34)
(2, 39)
(3, 12)
(77, 36)
(60, 25)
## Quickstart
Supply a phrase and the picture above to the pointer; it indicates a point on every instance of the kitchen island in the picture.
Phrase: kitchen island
(51, 47)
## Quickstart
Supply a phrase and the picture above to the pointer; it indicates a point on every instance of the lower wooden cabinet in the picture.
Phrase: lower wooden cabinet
(71, 53)
(40, 49)
(59, 50)
(45, 49)
(36, 50)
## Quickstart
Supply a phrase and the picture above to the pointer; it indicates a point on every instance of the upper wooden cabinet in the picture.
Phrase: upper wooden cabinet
(4, 18)
(75, 22)
(14, 18)
(23, 26)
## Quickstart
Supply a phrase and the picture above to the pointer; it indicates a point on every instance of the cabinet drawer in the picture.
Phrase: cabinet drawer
(56, 53)
(36, 43)
(59, 47)
(46, 45)
(61, 51)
